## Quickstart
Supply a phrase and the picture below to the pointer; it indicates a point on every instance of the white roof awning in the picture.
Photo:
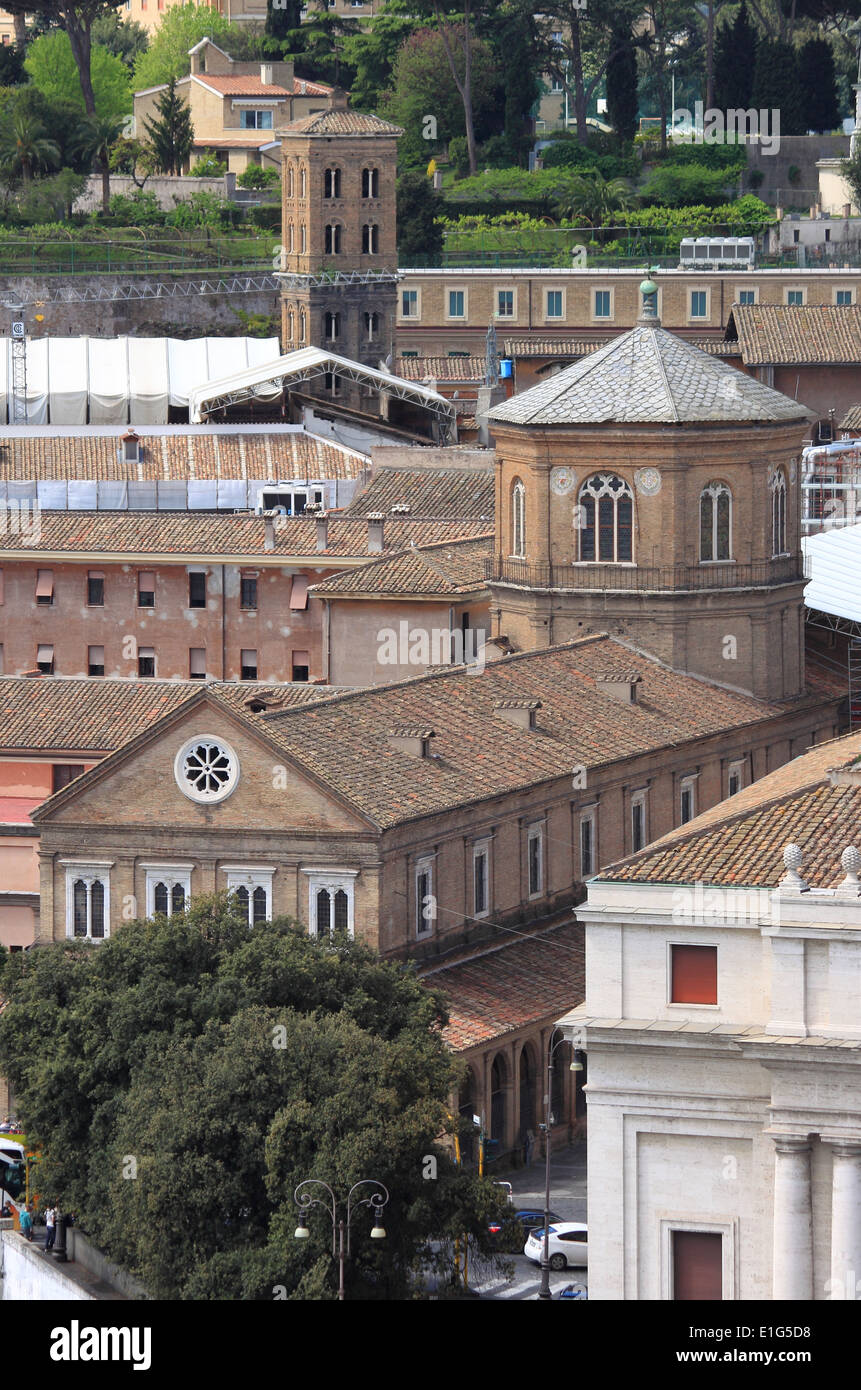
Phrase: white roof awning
(833, 562)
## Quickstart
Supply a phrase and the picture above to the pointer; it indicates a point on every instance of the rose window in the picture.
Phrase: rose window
(206, 769)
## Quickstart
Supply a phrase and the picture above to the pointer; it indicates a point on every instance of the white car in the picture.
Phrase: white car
(568, 1245)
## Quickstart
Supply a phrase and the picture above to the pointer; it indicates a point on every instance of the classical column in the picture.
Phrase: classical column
(845, 1219)
(792, 1270)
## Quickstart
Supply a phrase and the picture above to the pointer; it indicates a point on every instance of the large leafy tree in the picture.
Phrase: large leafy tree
(511, 30)
(181, 28)
(184, 1076)
(171, 133)
(420, 237)
(77, 18)
(124, 38)
(282, 16)
(423, 86)
(372, 53)
(52, 69)
(577, 46)
(319, 47)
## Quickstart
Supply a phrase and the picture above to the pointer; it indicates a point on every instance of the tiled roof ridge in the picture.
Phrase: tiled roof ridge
(450, 671)
(480, 951)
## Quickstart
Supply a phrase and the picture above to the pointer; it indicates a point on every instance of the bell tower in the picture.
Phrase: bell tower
(339, 239)
(653, 492)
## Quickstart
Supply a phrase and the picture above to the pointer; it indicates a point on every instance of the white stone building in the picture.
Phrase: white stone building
(723, 1027)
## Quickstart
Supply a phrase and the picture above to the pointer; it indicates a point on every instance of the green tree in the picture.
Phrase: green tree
(372, 53)
(181, 28)
(95, 140)
(818, 85)
(622, 103)
(420, 236)
(52, 198)
(423, 86)
(577, 47)
(735, 58)
(124, 38)
(231, 1064)
(777, 85)
(686, 185)
(171, 134)
(24, 147)
(512, 32)
(281, 18)
(12, 72)
(77, 18)
(52, 69)
(595, 200)
(135, 158)
(319, 47)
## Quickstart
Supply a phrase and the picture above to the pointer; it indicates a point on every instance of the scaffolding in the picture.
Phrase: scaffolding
(830, 486)
(153, 289)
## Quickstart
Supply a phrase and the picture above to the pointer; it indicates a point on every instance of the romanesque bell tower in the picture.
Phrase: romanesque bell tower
(653, 492)
(339, 259)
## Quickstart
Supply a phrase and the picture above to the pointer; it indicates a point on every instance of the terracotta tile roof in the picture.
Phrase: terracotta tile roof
(582, 347)
(234, 142)
(477, 752)
(741, 840)
(510, 986)
(795, 335)
(441, 369)
(453, 567)
(851, 421)
(337, 121)
(248, 86)
(54, 712)
(429, 492)
(175, 454)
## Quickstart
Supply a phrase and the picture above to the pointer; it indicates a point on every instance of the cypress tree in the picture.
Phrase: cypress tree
(171, 134)
(281, 17)
(819, 85)
(777, 85)
(735, 56)
(622, 85)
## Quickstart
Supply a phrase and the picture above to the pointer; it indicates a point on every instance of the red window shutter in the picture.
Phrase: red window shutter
(299, 591)
(694, 974)
(697, 1265)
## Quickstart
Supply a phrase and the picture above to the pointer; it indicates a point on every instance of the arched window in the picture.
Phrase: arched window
(302, 326)
(291, 236)
(370, 239)
(290, 181)
(370, 183)
(97, 909)
(527, 1093)
(372, 325)
(80, 904)
(331, 326)
(606, 520)
(716, 522)
(518, 519)
(333, 239)
(332, 183)
(89, 918)
(778, 512)
(290, 325)
(177, 898)
(498, 1084)
(303, 181)
(303, 239)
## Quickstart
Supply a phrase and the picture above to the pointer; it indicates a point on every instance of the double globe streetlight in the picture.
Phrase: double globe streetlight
(340, 1227)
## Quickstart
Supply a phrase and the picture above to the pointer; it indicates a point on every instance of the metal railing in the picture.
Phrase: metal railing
(639, 578)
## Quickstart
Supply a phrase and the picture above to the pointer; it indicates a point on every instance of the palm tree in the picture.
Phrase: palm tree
(93, 140)
(23, 147)
(593, 198)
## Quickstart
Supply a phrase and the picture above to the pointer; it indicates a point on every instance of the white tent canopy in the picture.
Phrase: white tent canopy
(833, 562)
(120, 381)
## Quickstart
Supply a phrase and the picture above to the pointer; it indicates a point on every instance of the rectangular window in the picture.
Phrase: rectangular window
(735, 778)
(505, 304)
(64, 773)
(535, 860)
(197, 663)
(255, 120)
(196, 589)
(248, 662)
(693, 974)
(301, 666)
(602, 304)
(697, 1266)
(45, 658)
(146, 661)
(587, 846)
(747, 296)
(248, 593)
(554, 304)
(1, 587)
(95, 589)
(699, 303)
(45, 586)
(638, 822)
(480, 879)
(146, 589)
(425, 901)
(827, 233)
(795, 297)
(96, 661)
(409, 304)
(687, 801)
(843, 297)
(456, 304)
(88, 902)
(299, 592)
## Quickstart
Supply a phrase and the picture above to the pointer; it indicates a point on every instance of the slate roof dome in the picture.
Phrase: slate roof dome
(649, 376)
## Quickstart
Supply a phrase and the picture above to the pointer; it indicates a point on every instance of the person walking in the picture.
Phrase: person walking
(50, 1227)
(25, 1222)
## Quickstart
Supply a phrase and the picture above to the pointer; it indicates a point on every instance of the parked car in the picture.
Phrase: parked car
(568, 1245)
(527, 1216)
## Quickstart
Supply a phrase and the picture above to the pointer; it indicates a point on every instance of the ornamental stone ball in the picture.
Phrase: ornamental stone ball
(851, 859)
(793, 857)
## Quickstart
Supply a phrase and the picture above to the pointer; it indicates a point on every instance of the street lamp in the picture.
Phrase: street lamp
(576, 1065)
(340, 1227)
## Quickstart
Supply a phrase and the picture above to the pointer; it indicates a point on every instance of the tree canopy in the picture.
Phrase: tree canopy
(182, 1077)
(181, 28)
(52, 69)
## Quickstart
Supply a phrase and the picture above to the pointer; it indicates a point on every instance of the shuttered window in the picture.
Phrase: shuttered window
(697, 1265)
(694, 974)
(299, 591)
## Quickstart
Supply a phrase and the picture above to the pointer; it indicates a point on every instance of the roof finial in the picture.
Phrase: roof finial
(649, 313)
(793, 858)
(850, 859)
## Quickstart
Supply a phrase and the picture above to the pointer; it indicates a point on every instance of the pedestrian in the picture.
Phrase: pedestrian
(25, 1221)
(50, 1226)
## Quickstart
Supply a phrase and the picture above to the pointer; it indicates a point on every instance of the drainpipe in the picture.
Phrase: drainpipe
(327, 641)
(223, 626)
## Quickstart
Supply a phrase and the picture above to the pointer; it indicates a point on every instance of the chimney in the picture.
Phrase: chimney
(338, 99)
(322, 522)
(266, 74)
(414, 742)
(518, 712)
(375, 532)
(268, 533)
(619, 685)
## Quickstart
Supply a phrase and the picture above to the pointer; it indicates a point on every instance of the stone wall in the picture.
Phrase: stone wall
(167, 188)
(801, 152)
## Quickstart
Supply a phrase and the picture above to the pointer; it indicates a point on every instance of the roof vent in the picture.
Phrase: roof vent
(518, 712)
(130, 447)
(619, 685)
(414, 742)
(375, 532)
(322, 523)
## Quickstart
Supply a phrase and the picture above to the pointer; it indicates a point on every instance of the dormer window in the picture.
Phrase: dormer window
(130, 447)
